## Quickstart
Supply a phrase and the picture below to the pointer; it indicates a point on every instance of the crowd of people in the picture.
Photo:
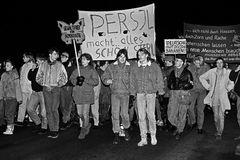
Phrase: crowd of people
(52, 92)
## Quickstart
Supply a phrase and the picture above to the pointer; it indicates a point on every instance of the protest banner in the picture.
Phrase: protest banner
(72, 33)
(213, 41)
(106, 32)
(175, 46)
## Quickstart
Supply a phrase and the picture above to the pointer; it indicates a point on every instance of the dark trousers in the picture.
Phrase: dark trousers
(66, 102)
(52, 101)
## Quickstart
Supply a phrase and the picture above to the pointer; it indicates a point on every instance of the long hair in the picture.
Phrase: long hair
(124, 52)
(145, 51)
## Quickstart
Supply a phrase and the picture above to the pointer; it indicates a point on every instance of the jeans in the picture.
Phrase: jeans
(83, 112)
(120, 110)
(51, 98)
(10, 107)
(22, 107)
(66, 102)
(36, 100)
(197, 108)
(146, 113)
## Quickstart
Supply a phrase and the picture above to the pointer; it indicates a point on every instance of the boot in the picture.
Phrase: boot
(116, 138)
(88, 128)
(82, 133)
(143, 142)
(153, 140)
(9, 130)
(127, 136)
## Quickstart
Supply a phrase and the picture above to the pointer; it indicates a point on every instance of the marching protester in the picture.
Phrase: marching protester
(146, 82)
(117, 75)
(217, 82)
(83, 93)
(180, 81)
(167, 69)
(36, 101)
(52, 76)
(66, 101)
(10, 93)
(105, 93)
(95, 105)
(198, 93)
(234, 76)
(25, 87)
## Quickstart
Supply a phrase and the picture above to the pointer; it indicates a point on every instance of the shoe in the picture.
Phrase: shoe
(237, 150)
(116, 138)
(153, 140)
(88, 128)
(42, 131)
(9, 130)
(95, 127)
(37, 128)
(143, 142)
(178, 136)
(237, 138)
(53, 134)
(200, 131)
(219, 137)
(63, 126)
(82, 133)
(127, 136)
(20, 124)
(159, 123)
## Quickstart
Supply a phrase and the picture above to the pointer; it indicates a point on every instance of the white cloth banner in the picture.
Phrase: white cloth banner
(106, 32)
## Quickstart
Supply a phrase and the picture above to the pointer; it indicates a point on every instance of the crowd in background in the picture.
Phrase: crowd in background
(52, 92)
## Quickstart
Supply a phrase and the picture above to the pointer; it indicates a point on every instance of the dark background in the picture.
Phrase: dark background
(32, 26)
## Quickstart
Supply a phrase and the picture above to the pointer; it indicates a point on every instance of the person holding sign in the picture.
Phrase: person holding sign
(180, 81)
(83, 93)
(217, 82)
(117, 76)
(146, 82)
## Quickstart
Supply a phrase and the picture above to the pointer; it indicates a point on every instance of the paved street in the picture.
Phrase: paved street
(25, 145)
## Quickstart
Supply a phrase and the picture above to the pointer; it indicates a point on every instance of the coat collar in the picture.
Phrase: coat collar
(144, 65)
(126, 63)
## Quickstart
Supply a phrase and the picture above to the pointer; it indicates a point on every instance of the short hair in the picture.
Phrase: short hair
(29, 55)
(51, 50)
(88, 57)
(219, 58)
(122, 51)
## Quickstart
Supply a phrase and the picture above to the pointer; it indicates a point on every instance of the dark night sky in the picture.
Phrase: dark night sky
(32, 26)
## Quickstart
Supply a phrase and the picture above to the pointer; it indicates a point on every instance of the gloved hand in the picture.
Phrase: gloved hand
(131, 101)
(80, 80)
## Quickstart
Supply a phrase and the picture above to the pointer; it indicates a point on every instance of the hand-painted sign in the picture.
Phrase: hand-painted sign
(72, 31)
(106, 32)
(175, 46)
(213, 41)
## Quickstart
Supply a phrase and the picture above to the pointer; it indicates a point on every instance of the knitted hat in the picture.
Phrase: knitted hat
(169, 58)
(181, 56)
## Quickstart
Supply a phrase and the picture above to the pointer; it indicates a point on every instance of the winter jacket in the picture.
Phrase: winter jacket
(148, 79)
(52, 74)
(196, 73)
(183, 82)
(10, 86)
(233, 77)
(24, 82)
(84, 94)
(120, 75)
